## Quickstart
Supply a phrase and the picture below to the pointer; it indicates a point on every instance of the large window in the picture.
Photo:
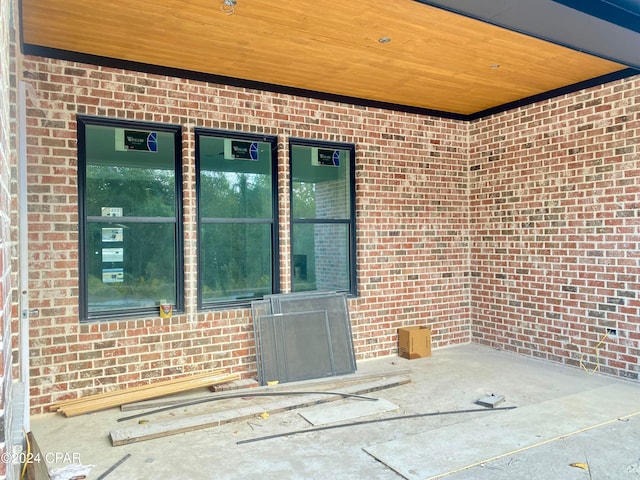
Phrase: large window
(130, 212)
(322, 216)
(237, 217)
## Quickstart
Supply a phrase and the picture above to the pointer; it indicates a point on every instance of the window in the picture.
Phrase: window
(322, 216)
(129, 185)
(237, 217)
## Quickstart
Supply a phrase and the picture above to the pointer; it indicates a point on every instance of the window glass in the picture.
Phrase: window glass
(320, 182)
(131, 251)
(235, 187)
(323, 224)
(236, 261)
(237, 218)
(321, 257)
(130, 265)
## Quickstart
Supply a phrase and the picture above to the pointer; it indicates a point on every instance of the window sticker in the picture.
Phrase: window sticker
(240, 150)
(111, 211)
(113, 275)
(127, 140)
(326, 158)
(112, 255)
(112, 235)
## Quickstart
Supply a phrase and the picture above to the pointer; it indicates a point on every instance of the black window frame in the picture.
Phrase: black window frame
(351, 222)
(176, 130)
(274, 222)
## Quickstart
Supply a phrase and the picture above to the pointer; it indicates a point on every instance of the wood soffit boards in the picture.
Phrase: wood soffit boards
(436, 60)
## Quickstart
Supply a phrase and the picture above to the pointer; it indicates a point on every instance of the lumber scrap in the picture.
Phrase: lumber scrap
(64, 403)
(161, 402)
(244, 395)
(94, 403)
(151, 430)
(333, 382)
(235, 385)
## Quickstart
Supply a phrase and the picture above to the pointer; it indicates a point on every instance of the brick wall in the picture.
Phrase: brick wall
(555, 221)
(412, 238)
(520, 230)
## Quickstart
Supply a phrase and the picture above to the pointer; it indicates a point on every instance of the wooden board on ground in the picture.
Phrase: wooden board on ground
(334, 382)
(65, 403)
(149, 431)
(94, 403)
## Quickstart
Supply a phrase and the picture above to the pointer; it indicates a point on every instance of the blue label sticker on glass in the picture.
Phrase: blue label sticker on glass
(141, 141)
(152, 142)
(329, 158)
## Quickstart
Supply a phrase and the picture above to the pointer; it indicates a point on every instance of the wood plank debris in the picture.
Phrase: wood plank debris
(244, 395)
(72, 401)
(335, 382)
(242, 384)
(149, 431)
(102, 401)
(235, 385)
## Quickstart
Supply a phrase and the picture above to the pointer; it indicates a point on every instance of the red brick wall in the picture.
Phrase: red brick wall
(521, 229)
(412, 239)
(555, 222)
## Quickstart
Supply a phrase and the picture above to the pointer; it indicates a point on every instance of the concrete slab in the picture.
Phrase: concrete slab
(442, 451)
(325, 415)
(451, 379)
(191, 423)
(611, 451)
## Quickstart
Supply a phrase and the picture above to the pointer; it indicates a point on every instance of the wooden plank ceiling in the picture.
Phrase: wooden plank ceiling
(435, 59)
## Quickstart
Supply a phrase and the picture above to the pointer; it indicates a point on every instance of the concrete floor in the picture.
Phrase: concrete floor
(563, 416)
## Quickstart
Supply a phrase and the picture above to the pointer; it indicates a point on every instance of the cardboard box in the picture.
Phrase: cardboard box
(414, 342)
